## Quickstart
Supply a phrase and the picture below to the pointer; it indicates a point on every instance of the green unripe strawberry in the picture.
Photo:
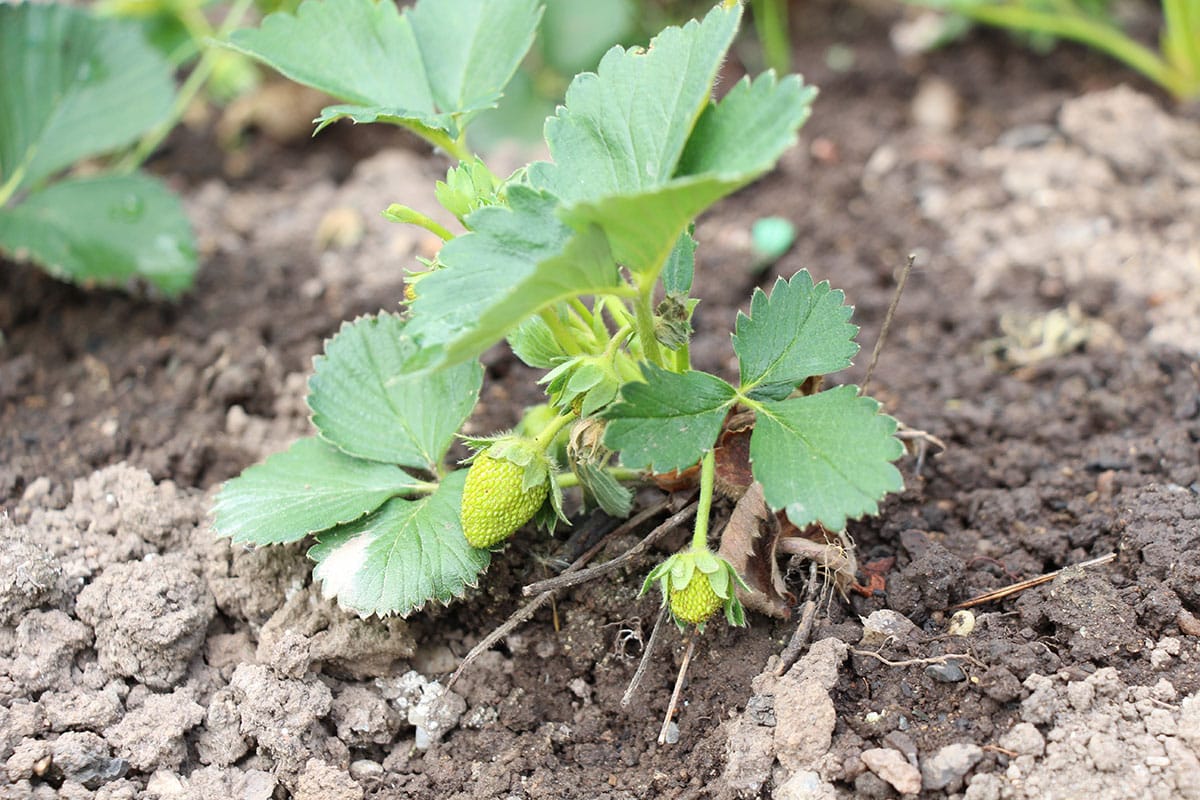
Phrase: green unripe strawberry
(495, 502)
(696, 602)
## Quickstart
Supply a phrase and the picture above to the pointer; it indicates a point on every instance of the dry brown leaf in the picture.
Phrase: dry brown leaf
(748, 543)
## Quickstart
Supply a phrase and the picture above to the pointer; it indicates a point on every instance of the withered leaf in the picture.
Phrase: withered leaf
(748, 543)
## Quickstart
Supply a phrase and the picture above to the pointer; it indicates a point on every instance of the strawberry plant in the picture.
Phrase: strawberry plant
(584, 264)
(74, 88)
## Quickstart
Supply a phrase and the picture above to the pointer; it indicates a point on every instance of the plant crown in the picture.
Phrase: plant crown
(584, 264)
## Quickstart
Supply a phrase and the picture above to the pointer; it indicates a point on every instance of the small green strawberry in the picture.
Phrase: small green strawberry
(696, 584)
(696, 602)
(506, 485)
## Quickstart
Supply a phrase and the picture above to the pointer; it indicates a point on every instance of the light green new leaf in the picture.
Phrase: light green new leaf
(399, 558)
(367, 403)
(825, 458)
(429, 68)
(104, 231)
(680, 268)
(72, 86)
(669, 422)
(798, 331)
(310, 487)
(515, 261)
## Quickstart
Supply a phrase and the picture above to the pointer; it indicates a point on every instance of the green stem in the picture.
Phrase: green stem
(708, 471)
(583, 311)
(10, 186)
(1100, 35)
(191, 87)
(771, 24)
(543, 440)
(565, 338)
(410, 216)
(683, 358)
(644, 315)
(567, 480)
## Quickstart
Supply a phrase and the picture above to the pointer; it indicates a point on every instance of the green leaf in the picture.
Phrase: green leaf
(369, 405)
(623, 128)
(733, 143)
(104, 231)
(430, 68)
(72, 86)
(401, 557)
(681, 265)
(825, 458)
(311, 487)
(798, 331)
(515, 261)
(640, 151)
(670, 421)
(615, 499)
(534, 343)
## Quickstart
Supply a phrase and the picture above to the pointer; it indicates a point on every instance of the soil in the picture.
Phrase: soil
(1048, 336)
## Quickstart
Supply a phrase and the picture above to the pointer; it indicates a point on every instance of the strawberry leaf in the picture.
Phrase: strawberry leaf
(104, 230)
(310, 487)
(402, 556)
(669, 422)
(515, 261)
(71, 87)
(369, 405)
(639, 149)
(430, 68)
(798, 331)
(825, 458)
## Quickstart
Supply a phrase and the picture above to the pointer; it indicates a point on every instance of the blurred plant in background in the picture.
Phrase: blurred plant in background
(1175, 65)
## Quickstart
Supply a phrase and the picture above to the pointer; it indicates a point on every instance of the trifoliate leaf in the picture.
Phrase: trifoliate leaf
(515, 261)
(399, 558)
(429, 68)
(798, 331)
(825, 458)
(669, 422)
(311, 487)
(365, 402)
(72, 86)
(104, 231)
(640, 152)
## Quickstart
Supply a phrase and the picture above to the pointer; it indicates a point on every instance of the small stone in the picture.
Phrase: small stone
(1024, 739)
(948, 672)
(365, 770)
(885, 626)
(804, 785)
(948, 766)
(1106, 752)
(893, 768)
(936, 106)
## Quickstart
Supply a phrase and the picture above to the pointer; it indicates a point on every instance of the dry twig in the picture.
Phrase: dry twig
(529, 609)
(683, 667)
(887, 323)
(921, 662)
(1020, 586)
(647, 652)
(572, 577)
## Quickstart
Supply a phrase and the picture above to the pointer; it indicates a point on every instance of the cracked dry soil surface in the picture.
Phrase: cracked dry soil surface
(1048, 336)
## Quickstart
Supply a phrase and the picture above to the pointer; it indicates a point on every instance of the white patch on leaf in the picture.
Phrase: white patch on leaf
(338, 571)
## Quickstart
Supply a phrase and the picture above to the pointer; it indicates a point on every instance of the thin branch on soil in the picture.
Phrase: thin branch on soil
(1020, 586)
(647, 652)
(572, 577)
(921, 662)
(887, 323)
(683, 668)
(808, 616)
(529, 609)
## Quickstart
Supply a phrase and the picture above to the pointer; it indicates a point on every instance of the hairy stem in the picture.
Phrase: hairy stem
(567, 480)
(547, 435)
(562, 335)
